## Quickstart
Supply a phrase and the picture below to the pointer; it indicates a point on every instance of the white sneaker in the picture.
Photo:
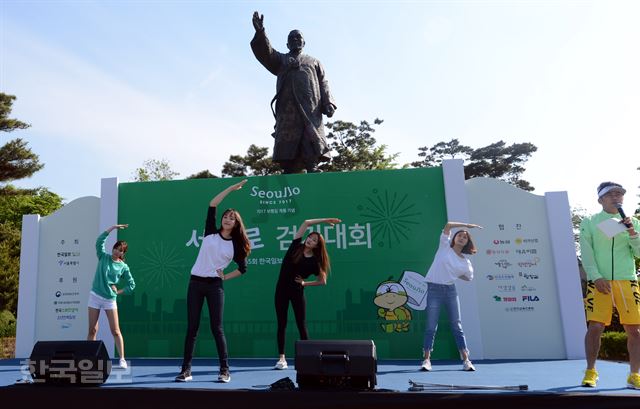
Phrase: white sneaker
(224, 376)
(426, 365)
(281, 364)
(123, 363)
(468, 366)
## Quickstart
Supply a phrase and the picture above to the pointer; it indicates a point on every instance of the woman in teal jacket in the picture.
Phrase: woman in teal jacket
(110, 270)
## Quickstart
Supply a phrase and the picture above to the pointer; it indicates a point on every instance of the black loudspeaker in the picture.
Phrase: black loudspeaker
(80, 363)
(336, 364)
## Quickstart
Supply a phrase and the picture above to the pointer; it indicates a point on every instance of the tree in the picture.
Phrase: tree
(7, 124)
(154, 170)
(256, 162)
(501, 162)
(15, 203)
(440, 151)
(577, 214)
(203, 174)
(496, 160)
(354, 148)
(17, 161)
(9, 267)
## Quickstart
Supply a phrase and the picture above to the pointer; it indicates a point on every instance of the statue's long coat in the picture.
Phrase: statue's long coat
(302, 93)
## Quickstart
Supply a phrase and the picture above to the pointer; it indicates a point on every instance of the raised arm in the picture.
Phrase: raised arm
(220, 196)
(100, 250)
(117, 226)
(452, 225)
(271, 59)
(310, 222)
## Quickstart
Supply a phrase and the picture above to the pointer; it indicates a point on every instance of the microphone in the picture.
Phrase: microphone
(621, 212)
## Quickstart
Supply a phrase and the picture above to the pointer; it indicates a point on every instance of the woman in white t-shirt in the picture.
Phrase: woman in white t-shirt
(219, 247)
(450, 263)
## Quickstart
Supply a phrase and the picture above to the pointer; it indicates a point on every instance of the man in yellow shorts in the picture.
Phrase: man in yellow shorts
(612, 281)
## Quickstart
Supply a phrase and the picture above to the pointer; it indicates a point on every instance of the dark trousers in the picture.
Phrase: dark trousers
(284, 295)
(200, 289)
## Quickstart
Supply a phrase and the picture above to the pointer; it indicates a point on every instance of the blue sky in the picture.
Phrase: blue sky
(108, 84)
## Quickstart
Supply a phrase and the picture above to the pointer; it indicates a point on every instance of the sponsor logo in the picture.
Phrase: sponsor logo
(497, 298)
(520, 309)
(527, 288)
(499, 277)
(520, 241)
(503, 264)
(66, 310)
(61, 294)
(65, 325)
(529, 263)
(283, 193)
(65, 302)
(507, 288)
(499, 242)
(530, 298)
(492, 252)
(528, 276)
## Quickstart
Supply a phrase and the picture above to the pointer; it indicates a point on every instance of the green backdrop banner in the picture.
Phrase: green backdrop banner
(391, 221)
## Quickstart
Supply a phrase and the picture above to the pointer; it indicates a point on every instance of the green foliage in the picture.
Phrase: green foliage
(8, 124)
(354, 148)
(614, 346)
(154, 170)
(496, 160)
(615, 325)
(17, 161)
(14, 203)
(203, 174)
(7, 324)
(577, 214)
(434, 155)
(9, 266)
(255, 163)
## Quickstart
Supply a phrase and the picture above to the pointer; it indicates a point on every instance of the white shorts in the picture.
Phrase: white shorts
(101, 303)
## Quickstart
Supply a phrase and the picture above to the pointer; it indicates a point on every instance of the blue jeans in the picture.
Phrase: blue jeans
(439, 295)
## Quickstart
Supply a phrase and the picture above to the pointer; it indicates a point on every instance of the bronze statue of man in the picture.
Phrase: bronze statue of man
(302, 96)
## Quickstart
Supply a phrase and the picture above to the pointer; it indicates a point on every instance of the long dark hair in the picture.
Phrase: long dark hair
(470, 247)
(238, 233)
(319, 251)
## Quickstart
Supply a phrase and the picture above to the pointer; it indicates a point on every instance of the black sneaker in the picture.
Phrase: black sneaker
(185, 376)
(224, 376)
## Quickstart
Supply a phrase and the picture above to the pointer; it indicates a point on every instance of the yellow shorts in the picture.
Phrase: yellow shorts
(625, 296)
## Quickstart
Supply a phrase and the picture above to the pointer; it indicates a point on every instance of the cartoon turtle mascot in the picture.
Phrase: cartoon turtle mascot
(391, 298)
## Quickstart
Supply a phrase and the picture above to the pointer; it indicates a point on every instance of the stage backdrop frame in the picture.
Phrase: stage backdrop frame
(385, 244)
